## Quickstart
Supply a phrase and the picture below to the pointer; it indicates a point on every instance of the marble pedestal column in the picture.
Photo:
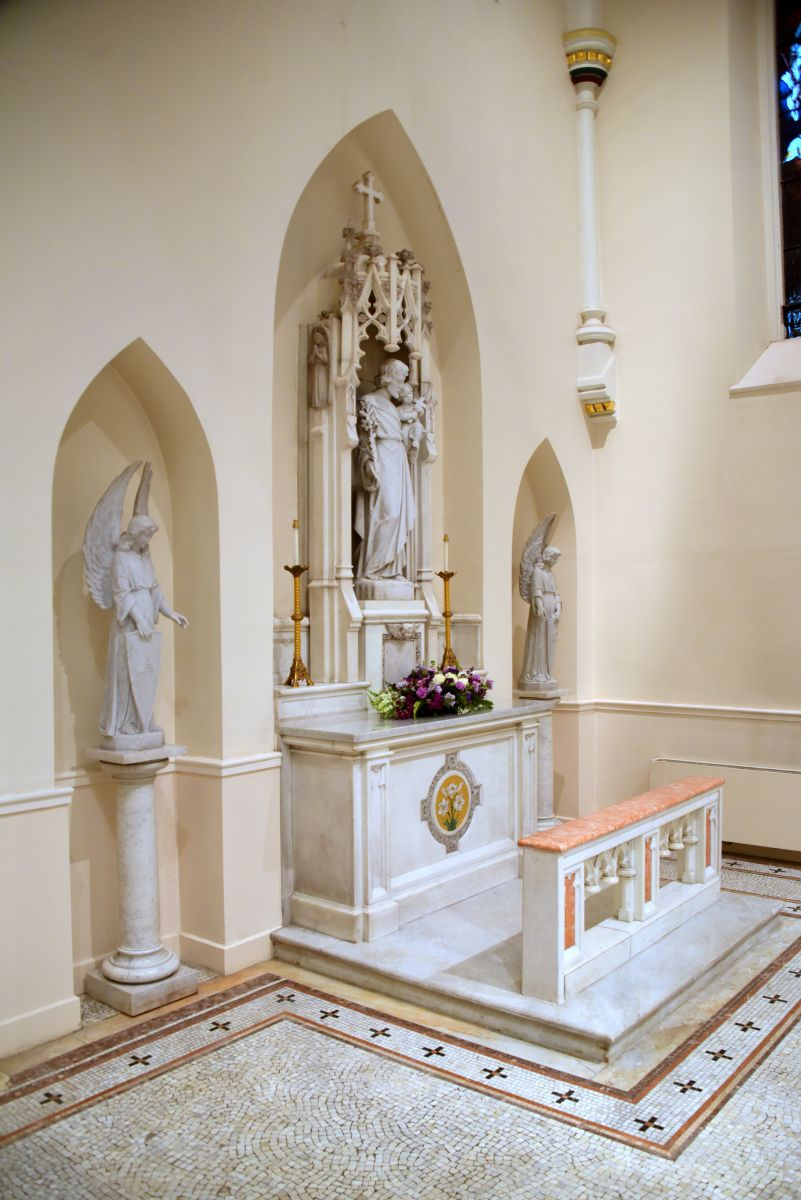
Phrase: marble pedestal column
(142, 973)
(549, 701)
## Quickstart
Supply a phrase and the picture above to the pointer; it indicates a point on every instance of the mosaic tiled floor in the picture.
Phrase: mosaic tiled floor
(755, 877)
(276, 1089)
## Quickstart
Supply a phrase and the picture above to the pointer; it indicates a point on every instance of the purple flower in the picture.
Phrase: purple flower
(461, 685)
(422, 692)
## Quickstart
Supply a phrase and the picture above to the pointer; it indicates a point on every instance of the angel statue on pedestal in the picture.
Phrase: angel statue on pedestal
(538, 588)
(119, 574)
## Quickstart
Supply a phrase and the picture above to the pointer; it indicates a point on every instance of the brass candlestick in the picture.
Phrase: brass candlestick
(449, 658)
(298, 675)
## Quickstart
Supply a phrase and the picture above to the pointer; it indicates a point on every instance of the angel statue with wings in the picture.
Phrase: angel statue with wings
(538, 588)
(119, 574)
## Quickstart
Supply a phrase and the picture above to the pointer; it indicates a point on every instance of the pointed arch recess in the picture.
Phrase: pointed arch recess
(412, 216)
(543, 489)
(135, 408)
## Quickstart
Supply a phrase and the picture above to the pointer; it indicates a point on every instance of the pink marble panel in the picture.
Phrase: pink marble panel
(571, 834)
(649, 871)
(570, 911)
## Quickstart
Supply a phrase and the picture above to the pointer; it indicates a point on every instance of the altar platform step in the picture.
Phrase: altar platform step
(465, 962)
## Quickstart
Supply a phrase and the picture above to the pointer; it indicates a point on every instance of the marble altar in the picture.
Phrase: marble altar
(370, 837)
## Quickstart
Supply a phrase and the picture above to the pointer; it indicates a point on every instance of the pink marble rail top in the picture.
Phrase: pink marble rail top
(575, 833)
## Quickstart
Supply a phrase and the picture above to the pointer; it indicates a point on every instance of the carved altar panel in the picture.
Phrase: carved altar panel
(402, 651)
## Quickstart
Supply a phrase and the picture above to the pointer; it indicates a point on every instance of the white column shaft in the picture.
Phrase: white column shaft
(141, 957)
(137, 861)
(588, 203)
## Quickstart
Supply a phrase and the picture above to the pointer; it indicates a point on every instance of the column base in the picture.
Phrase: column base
(135, 998)
(138, 967)
(548, 822)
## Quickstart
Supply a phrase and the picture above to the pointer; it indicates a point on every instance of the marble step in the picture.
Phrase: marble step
(464, 962)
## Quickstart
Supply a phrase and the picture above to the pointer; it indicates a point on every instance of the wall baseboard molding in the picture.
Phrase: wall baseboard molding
(41, 798)
(40, 1025)
(226, 958)
(651, 708)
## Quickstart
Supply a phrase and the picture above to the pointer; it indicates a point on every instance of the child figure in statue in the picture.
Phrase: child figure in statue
(412, 415)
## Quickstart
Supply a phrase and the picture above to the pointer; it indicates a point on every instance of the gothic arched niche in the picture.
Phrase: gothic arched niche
(543, 490)
(136, 409)
(410, 216)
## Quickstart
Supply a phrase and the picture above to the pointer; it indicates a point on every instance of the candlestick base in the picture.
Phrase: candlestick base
(449, 660)
(298, 675)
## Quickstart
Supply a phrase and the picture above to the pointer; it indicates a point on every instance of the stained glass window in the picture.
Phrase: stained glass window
(788, 58)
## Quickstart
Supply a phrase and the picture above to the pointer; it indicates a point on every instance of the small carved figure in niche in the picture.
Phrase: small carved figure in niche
(120, 575)
(318, 368)
(538, 588)
(384, 499)
(412, 415)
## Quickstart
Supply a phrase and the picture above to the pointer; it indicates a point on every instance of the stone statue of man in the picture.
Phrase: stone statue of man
(389, 437)
(119, 574)
(538, 588)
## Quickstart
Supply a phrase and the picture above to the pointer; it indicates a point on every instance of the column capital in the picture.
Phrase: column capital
(589, 54)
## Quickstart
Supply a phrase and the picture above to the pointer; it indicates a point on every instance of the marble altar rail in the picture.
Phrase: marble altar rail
(591, 890)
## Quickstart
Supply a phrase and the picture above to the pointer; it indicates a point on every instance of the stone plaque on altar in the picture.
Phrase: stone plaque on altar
(452, 798)
(401, 651)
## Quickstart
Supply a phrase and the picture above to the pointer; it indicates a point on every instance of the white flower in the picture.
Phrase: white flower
(439, 677)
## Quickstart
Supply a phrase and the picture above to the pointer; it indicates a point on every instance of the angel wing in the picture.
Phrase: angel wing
(102, 535)
(143, 492)
(534, 547)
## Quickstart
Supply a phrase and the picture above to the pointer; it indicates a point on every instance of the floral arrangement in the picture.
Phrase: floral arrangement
(429, 692)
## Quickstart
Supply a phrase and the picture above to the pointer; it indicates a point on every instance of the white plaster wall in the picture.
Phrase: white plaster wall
(153, 156)
(698, 551)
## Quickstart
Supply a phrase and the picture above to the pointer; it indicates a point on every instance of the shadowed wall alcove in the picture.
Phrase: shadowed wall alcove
(410, 216)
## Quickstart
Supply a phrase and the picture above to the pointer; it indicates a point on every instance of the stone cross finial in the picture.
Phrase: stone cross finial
(372, 196)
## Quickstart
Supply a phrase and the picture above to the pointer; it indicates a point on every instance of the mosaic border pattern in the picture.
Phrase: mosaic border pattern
(660, 1114)
(754, 877)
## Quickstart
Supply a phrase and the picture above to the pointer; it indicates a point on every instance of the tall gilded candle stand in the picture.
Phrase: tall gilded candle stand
(142, 973)
(449, 658)
(298, 675)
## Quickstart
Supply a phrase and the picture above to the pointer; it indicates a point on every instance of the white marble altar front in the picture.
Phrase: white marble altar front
(367, 855)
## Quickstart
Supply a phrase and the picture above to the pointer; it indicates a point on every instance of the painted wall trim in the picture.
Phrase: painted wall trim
(230, 957)
(664, 709)
(39, 1025)
(22, 802)
(223, 768)
(716, 762)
